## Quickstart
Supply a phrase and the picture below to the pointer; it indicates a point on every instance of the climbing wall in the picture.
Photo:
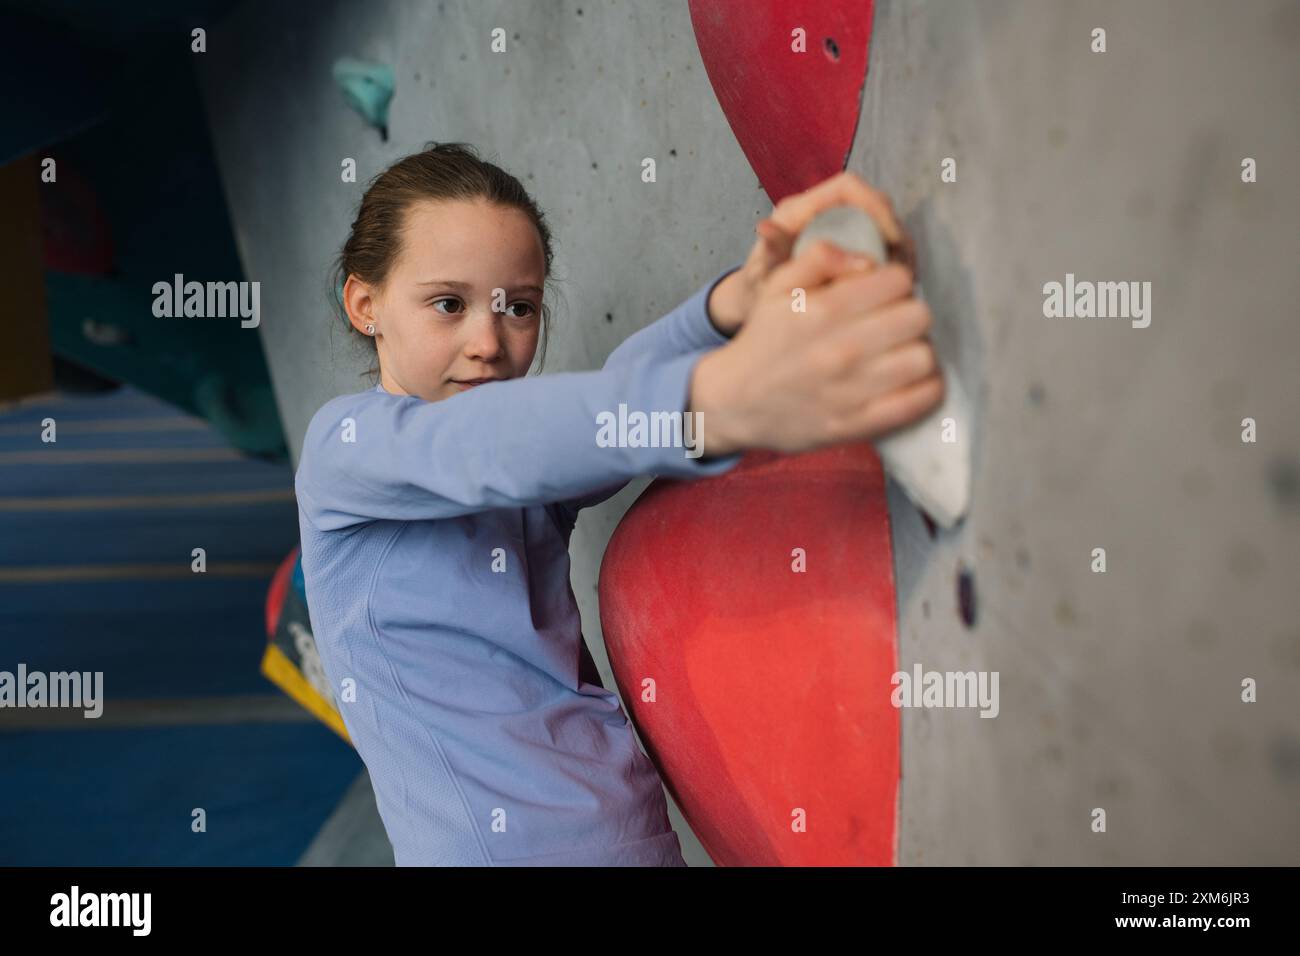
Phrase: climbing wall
(1119, 691)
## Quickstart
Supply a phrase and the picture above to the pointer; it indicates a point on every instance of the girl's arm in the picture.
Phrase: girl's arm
(687, 328)
(514, 443)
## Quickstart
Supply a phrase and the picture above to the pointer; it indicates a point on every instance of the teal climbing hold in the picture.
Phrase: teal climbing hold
(368, 88)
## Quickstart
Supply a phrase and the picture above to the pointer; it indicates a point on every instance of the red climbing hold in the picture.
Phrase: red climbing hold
(760, 604)
(793, 110)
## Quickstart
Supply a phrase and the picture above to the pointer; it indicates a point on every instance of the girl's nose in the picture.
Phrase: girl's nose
(484, 342)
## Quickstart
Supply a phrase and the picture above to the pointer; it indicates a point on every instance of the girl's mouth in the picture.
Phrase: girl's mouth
(469, 383)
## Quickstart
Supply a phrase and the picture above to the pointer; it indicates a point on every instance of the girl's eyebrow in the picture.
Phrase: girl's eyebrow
(465, 286)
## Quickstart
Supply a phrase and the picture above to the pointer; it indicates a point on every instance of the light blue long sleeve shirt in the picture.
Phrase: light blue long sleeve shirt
(435, 555)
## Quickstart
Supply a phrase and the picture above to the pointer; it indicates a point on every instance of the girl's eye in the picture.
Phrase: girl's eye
(527, 306)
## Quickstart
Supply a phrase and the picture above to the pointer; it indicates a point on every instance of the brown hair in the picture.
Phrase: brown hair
(441, 171)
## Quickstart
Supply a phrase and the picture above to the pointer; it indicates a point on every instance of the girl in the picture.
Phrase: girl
(436, 508)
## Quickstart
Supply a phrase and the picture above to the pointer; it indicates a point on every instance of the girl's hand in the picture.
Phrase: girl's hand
(735, 295)
(853, 366)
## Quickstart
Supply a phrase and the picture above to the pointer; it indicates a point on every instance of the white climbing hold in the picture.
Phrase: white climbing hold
(930, 459)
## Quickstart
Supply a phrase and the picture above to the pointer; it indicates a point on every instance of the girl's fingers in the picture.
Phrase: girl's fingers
(891, 326)
(775, 238)
(853, 295)
(902, 406)
(794, 212)
(773, 247)
(911, 362)
(814, 267)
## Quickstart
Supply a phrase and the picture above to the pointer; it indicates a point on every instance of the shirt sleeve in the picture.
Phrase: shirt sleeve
(514, 443)
(687, 328)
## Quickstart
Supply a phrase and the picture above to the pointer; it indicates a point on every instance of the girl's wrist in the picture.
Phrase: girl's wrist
(728, 303)
(712, 391)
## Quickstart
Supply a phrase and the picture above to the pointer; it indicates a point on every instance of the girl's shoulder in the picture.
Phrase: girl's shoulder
(336, 412)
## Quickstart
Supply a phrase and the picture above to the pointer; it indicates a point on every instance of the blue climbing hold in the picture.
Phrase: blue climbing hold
(368, 88)
(299, 582)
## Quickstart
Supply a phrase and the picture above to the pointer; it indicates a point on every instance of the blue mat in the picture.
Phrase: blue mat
(123, 795)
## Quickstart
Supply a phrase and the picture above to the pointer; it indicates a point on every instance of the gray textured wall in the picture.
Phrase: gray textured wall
(1118, 690)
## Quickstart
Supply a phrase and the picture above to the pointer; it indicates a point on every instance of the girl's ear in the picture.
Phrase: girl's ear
(359, 303)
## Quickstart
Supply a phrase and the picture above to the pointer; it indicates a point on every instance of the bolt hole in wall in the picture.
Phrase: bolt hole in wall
(966, 603)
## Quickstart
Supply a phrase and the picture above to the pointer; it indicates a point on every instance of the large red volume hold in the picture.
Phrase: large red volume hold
(793, 111)
(771, 720)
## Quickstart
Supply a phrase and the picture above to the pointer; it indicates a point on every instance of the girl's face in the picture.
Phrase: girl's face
(462, 304)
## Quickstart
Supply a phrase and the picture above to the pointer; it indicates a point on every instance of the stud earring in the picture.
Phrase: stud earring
(370, 330)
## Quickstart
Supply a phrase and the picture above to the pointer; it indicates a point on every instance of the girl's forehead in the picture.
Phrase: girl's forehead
(472, 241)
